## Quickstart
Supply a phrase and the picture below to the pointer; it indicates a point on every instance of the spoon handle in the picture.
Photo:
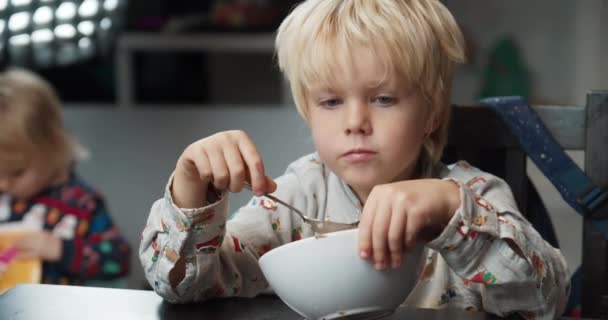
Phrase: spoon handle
(273, 198)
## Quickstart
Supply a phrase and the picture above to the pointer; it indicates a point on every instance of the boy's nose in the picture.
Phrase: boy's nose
(358, 120)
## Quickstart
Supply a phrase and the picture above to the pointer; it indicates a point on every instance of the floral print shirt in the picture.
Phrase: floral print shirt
(93, 247)
(489, 258)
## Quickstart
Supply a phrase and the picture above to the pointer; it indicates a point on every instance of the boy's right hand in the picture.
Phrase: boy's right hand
(224, 160)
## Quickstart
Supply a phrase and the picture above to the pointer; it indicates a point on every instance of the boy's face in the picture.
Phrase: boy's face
(368, 131)
(26, 181)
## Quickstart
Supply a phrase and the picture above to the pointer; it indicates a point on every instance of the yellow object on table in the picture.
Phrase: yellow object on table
(14, 271)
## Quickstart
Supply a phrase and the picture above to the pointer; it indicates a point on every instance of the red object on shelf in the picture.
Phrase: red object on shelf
(243, 14)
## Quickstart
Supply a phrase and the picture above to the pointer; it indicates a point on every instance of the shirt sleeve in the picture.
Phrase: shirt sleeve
(220, 252)
(102, 253)
(497, 252)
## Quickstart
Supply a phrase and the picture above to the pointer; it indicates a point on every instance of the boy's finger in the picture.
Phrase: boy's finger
(396, 233)
(365, 225)
(219, 168)
(255, 165)
(236, 167)
(414, 224)
(271, 185)
(201, 162)
(380, 227)
(193, 177)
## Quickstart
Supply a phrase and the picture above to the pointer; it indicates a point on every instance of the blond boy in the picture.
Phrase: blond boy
(372, 79)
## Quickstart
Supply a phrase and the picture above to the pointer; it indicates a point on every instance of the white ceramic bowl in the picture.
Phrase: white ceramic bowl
(324, 278)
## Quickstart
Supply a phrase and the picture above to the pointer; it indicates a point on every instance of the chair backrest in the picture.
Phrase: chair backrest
(595, 247)
(479, 136)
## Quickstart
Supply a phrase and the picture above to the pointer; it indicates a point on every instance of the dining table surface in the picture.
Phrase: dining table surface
(39, 302)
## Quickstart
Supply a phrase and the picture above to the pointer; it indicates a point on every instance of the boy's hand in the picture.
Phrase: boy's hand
(40, 244)
(398, 214)
(226, 160)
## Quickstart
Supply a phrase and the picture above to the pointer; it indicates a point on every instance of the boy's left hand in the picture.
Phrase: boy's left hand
(40, 244)
(398, 214)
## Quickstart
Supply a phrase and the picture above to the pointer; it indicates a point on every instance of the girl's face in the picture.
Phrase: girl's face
(367, 130)
(25, 181)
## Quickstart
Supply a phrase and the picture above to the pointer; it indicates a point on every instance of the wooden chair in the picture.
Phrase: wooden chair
(479, 136)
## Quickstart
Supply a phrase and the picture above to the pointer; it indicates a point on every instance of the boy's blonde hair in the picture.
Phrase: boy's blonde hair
(415, 40)
(31, 123)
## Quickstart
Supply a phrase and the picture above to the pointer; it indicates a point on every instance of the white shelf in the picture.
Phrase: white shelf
(219, 42)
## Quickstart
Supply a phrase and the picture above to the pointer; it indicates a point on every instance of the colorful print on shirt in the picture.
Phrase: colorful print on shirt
(19, 207)
(463, 165)
(484, 204)
(182, 225)
(466, 232)
(262, 250)
(429, 268)
(238, 246)
(296, 234)
(209, 247)
(539, 268)
(264, 203)
(53, 216)
(480, 220)
(501, 219)
(475, 181)
(446, 296)
(164, 227)
(203, 219)
(156, 250)
(93, 247)
(276, 224)
(484, 277)
(171, 254)
(268, 204)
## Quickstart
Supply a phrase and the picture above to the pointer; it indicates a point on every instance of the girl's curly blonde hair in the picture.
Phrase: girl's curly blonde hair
(31, 123)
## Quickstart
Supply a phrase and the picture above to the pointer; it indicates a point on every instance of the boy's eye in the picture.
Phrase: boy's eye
(330, 103)
(386, 100)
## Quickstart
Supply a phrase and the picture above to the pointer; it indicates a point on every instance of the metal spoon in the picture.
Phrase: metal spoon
(318, 226)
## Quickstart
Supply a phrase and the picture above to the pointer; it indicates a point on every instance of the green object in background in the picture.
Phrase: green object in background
(506, 73)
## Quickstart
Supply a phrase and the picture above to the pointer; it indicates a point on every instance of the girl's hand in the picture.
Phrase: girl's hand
(226, 160)
(39, 244)
(398, 214)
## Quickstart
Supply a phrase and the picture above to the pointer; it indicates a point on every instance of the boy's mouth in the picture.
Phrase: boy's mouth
(359, 154)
